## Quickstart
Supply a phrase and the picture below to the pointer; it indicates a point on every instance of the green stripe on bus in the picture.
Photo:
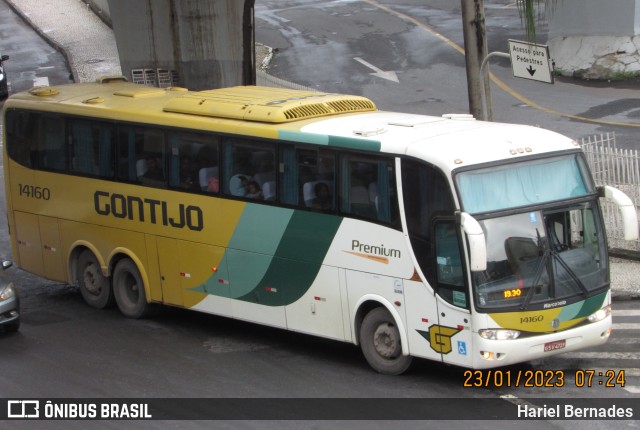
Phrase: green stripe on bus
(582, 309)
(335, 141)
(297, 260)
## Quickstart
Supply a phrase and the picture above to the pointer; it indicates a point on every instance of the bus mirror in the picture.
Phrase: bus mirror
(477, 244)
(627, 210)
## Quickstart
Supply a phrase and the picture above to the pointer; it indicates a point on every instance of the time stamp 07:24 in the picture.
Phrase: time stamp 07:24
(543, 378)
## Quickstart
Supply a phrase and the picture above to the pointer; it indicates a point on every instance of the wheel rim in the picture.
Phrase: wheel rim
(386, 342)
(91, 280)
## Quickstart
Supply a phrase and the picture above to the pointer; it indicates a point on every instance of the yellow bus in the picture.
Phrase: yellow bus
(476, 244)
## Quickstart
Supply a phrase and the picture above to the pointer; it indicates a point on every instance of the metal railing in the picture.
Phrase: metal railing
(619, 168)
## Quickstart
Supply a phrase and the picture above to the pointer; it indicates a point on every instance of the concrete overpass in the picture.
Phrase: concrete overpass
(198, 44)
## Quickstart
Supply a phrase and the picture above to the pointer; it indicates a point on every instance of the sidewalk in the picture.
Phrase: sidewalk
(90, 48)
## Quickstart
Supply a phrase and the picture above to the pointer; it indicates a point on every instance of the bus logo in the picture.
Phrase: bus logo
(439, 338)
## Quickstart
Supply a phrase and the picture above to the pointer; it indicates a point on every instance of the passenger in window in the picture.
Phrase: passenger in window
(238, 185)
(322, 201)
(187, 175)
(253, 191)
(154, 175)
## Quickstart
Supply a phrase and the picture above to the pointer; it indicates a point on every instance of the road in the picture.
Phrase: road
(318, 43)
(66, 349)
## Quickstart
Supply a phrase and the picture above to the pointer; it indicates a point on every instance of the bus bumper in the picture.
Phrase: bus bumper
(498, 353)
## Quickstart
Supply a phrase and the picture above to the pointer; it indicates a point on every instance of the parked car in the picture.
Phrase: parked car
(4, 88)
(9, 302)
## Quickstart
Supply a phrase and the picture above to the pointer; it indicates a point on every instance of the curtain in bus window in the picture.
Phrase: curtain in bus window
(106, 151)
(83, 159)
(21, 132)
(381, 196)
(52, 154)
(289, 177)
(174, 160)
(521, 184)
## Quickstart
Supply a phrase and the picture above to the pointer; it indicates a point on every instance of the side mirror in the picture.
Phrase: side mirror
(477, 243)
(6, 264)
(627, 210)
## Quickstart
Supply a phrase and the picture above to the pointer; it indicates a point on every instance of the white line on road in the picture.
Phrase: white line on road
(626, 312)
(604, 355)
(626, 326)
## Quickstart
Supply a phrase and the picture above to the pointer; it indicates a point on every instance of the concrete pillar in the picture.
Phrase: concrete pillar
(198, 44)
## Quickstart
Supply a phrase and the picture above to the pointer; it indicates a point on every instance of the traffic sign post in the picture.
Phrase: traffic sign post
(530, 61)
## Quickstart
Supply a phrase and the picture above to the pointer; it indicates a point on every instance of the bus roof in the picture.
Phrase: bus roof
(305, 116)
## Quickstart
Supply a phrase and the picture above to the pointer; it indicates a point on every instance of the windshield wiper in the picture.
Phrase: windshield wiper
(539, 269)
(571, 273)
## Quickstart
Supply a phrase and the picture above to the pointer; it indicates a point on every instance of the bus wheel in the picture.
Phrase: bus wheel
(380, 343)
(94, 286)
(128, 289)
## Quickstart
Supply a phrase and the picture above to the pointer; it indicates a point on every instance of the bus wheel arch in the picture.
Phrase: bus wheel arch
(382, 337)
(129, 289)
(86, 272)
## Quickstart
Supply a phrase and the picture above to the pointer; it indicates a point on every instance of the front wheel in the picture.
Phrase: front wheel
(380, 343)
(128, 289)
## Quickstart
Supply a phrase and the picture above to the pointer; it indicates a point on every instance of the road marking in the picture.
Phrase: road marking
(627, 372)
(603, 355)
(495, 79)
(624, 340)
(634, 389)
(626, 312)
(390, 75)
(626, 326)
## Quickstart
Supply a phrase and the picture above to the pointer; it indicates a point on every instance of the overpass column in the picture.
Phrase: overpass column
(198, 44)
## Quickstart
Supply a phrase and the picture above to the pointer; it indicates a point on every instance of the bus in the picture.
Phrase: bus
(471, 243)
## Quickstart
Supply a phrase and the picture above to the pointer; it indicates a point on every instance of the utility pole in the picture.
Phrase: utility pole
(475, 46)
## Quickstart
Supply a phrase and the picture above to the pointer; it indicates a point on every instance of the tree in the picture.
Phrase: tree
(530, 12)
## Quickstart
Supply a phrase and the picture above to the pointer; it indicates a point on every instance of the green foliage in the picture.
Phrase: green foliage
(532, 11)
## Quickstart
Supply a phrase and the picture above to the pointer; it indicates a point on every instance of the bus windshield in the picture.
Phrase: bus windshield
(539, 257)
(523, 184)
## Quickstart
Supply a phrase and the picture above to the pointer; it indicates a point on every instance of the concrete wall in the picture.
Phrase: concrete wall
(594, 18)
(595, 39)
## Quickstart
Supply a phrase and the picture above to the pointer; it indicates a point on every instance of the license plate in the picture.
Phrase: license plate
(552, 346)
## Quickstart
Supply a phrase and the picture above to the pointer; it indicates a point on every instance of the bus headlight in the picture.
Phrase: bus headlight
(600, 314)
(499, 334)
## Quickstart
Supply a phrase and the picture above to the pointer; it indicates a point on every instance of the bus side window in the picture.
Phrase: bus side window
(141, 156)
(449, 264)
(91, 148)
(193, 161)
(21, 132)
(367, 188)
(248, 167)
(51, 151)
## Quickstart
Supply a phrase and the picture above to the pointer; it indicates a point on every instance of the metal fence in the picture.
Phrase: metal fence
(619, 168)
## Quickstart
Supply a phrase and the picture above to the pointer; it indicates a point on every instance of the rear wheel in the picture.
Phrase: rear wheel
(380, 343)
(94, 286)
(129, 292)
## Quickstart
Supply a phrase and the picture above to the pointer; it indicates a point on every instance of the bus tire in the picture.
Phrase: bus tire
(94, 286)
(128, 290)
(380, 343)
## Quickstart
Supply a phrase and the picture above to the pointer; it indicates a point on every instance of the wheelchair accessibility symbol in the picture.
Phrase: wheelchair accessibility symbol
(462, 348)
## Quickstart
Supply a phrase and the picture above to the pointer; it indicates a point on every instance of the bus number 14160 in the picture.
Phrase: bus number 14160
(40, 193)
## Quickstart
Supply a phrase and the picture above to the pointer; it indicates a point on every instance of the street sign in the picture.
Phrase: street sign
(530, 61)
